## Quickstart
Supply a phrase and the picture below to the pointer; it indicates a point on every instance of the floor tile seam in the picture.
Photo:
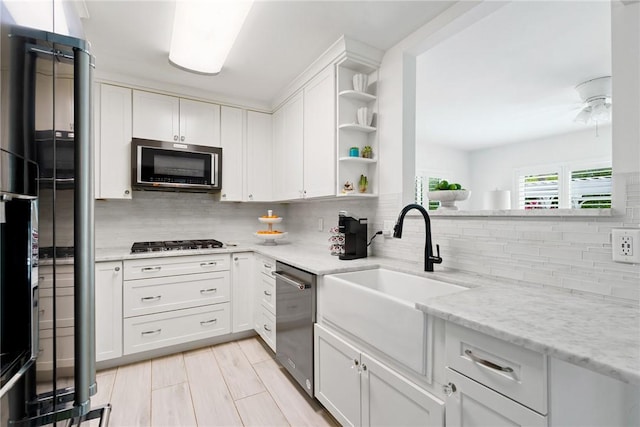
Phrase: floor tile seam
(266, 391)
(250, 365)
(224, 380)
(284, 414)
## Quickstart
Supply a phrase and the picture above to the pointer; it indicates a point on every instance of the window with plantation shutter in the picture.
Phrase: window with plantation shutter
(591, 188)
(424, 184)
(539, 191)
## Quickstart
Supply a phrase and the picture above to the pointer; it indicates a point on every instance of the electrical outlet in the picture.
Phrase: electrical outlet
(387, 228)
(625, 243)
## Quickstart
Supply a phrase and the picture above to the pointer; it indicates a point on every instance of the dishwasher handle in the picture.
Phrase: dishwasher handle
(300, 285)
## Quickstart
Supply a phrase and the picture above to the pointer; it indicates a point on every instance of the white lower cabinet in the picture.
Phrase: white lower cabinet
(175, 327)
(175, 300)
(108, 291)
(242, 292)
(472, 404)
(264, 300)
(359, 390)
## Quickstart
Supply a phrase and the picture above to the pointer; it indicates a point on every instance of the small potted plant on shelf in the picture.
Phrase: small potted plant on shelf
(363, 184)
(367, 153)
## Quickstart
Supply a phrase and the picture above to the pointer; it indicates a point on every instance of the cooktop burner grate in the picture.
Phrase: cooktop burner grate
(175, 245)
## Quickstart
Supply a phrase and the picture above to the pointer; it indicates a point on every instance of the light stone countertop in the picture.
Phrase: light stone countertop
(599, 335)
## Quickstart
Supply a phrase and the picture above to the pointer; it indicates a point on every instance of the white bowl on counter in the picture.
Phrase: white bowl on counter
(448, 198)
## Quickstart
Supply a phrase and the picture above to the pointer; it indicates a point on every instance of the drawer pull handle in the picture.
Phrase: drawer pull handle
(208, 291)
(267, 293)
(151, 269)
(487, 363)
(268, 266)
(149, 299)
(41, 277)
(266, 328)
(208, 264)
(157, 331)
(208, 322)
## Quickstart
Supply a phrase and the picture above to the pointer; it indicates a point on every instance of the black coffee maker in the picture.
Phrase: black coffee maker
(355, 236)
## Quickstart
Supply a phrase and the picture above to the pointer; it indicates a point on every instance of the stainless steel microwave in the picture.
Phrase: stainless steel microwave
(158, 165)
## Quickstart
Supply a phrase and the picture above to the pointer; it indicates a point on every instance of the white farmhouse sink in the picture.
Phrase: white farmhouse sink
(378, 307)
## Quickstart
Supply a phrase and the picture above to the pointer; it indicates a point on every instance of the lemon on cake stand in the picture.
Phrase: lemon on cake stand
(270, 236)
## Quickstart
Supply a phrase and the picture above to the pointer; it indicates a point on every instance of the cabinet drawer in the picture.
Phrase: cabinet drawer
(64, 347)
(174, 266)
(64, 308)
(64, 276)
(472, 404)
(523, 376)
(150, 296)
(267, 266)
(267, 328)
(267, 293)
(175, 327)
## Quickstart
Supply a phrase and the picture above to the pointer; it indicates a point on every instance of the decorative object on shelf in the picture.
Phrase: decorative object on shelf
(364, 116)
(347, 187)
(360, 82)
(363, 184)
(337, 241)
(367, 152)
(354, 152)
(448, 194)
(270, 235)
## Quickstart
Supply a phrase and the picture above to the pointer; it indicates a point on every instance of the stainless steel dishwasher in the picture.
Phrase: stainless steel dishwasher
(295, 316)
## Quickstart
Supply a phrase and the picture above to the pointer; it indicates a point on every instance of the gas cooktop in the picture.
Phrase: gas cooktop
(47, 252)
(175, 245)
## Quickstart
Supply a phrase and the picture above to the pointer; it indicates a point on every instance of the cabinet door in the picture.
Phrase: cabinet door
(288, 168)
(259, 157)
(319, 135)
(473, 404)
(113, 151)
(278, 152)
(232, 154)
(155, 116)
(199, 123)
(108, 296)
(390, 399)
(242, 292)
(337, 377)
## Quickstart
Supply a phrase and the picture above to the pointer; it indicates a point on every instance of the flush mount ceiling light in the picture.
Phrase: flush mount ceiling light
(596, 95)
(204, 31)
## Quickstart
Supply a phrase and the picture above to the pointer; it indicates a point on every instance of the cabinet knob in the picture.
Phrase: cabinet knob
(117, 269)
(364, 367)
(175, 137)
(235, 259)
(449, 389)
(182, 138)
(224, 196)
(126, 192)
(251, 196)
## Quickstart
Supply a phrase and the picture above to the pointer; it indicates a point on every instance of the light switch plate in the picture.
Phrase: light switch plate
(625, 244)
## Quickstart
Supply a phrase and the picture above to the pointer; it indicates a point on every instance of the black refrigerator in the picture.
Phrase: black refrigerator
(46, 197)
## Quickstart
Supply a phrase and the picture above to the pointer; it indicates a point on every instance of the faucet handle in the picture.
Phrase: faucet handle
(436, 259)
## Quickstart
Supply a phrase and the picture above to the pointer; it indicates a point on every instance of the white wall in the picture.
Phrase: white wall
(571, 253)
(493, 168)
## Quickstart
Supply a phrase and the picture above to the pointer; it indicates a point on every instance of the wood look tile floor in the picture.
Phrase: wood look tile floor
(232, 384)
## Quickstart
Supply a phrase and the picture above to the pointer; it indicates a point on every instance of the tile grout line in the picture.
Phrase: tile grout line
(226, 384)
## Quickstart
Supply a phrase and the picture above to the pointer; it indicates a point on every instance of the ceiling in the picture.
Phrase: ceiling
(511, 76)
(278, 41)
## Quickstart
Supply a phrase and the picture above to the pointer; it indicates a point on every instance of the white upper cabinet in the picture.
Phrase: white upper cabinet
(113, 142)
(232, 136)
(288, 150)
(167, 118)
(259, 157)
(199, 123)
(156, 116)
(319, 135)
